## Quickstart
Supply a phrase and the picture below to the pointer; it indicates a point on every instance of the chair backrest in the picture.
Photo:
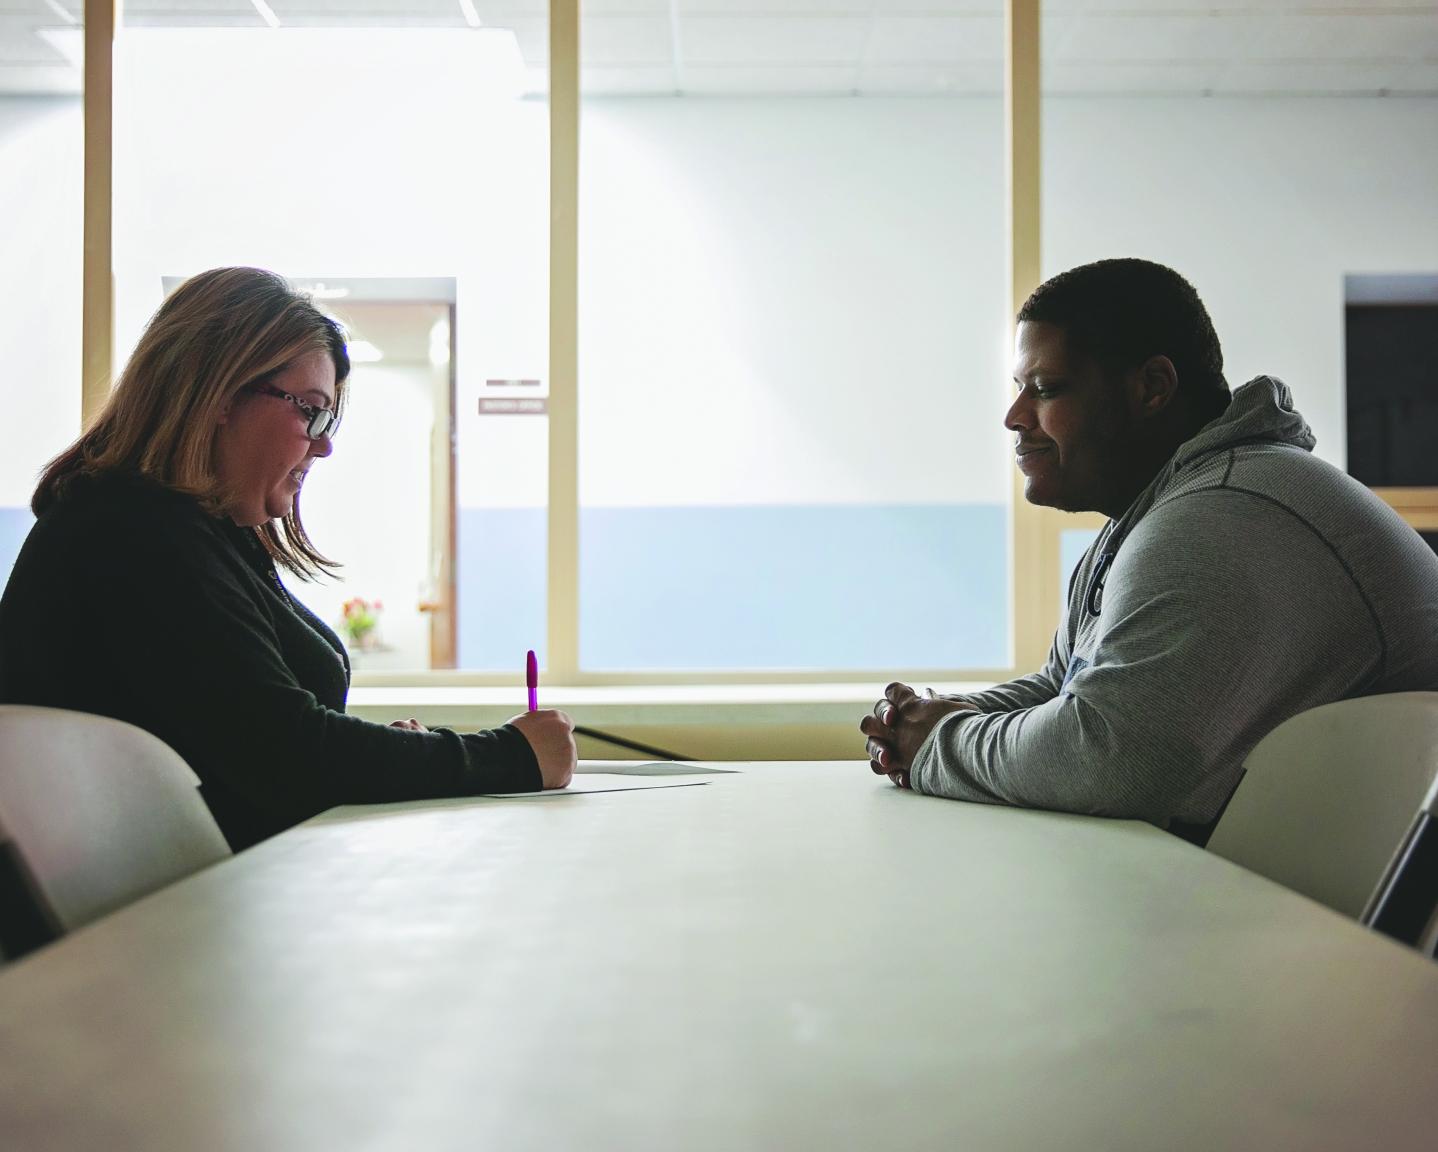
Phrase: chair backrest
(94, 814)
(1330, 796)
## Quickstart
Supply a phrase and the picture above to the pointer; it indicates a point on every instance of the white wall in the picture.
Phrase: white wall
(1262, 204)
(794, 301)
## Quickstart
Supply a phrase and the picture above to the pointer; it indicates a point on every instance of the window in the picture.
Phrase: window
(791, 366)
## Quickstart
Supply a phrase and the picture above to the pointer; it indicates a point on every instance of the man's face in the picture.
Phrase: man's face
(1074, 436)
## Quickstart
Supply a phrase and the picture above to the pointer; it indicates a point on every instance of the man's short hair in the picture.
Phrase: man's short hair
(1121, 312)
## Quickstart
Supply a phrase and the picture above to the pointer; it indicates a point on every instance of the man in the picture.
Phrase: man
(1240, 580)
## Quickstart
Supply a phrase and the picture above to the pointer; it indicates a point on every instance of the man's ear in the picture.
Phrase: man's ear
(1153, 386)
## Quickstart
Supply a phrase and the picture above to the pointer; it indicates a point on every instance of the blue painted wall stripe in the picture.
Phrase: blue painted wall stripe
(14, 527)
(667, 589)
(727, 588)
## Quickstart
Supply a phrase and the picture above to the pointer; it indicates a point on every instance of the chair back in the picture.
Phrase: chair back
(1330, 797)
(94, 814)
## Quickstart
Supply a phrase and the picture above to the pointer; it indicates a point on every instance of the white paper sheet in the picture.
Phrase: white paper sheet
(604, 782)
(651, 768)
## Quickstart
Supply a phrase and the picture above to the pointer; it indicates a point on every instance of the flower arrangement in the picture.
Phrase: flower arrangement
(359, 622)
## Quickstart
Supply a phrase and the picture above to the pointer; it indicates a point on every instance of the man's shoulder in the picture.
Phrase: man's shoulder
(1287, 478)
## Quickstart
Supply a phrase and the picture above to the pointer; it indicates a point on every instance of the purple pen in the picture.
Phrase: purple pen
(531, 680)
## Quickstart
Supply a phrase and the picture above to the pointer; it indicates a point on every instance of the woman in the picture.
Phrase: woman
(148, 588)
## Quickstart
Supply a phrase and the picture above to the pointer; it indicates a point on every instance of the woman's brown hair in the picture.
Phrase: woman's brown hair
(218, 333)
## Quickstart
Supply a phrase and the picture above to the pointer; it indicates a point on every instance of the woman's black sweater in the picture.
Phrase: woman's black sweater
(128, 600)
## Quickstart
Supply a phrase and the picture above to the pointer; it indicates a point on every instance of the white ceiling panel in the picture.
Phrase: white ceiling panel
(184, 12)
(40, 80)
(1319, 36)
(609, 40)
(750, 8)
(626, 81)
(497, 11)
(371, 20)
(1319, 79)
(588, 8)
(936, 39)
(757, 80)
(835, 7)
(932, 79)
(532, 35)
(1337, 46)
(763, 40)
(1137, 38)
(1136, 77)
(30, 8)
(1421, 78)
(1225, 7)
(350, 12)
(20, 45)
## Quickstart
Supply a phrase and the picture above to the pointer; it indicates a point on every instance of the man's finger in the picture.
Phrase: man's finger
(899, 695)
(873, 726)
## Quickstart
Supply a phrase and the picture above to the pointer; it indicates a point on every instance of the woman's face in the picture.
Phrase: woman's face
(261, 450)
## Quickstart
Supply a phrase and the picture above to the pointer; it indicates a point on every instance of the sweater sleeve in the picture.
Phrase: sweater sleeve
(1206, 642)
(206, 672)
(1032, 690)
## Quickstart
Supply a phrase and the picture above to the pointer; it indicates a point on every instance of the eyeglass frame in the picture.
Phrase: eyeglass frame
(326, 418)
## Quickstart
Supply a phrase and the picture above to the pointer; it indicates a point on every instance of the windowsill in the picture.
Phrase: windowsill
(622, 705)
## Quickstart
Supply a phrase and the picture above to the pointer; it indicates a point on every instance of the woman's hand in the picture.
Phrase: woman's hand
(410, 725)
(551, 734)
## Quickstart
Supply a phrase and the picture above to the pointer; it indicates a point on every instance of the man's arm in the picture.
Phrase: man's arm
(1220, 620)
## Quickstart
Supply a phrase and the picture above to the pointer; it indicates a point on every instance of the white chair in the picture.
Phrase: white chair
(94, 814)
(1334, 803)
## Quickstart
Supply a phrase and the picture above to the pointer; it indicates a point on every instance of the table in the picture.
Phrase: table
(796, 956)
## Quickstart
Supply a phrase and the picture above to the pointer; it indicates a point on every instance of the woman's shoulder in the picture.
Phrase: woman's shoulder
(125, 511)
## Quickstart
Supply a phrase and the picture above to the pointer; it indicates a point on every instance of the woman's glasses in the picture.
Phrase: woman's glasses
(320, 421)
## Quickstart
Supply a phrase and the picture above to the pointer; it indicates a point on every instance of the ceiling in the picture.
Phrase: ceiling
(859, 47)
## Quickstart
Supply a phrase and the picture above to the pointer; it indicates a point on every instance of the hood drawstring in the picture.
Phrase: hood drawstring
(1093, 601)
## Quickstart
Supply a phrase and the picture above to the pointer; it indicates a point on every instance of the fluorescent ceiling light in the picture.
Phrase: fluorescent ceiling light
(363, 352)
(267, 14)
(471, 17)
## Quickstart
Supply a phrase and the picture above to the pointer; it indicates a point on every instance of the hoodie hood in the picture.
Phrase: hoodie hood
(1261, 412)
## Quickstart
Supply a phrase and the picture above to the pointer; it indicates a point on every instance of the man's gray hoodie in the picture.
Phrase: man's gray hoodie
(1249, 582)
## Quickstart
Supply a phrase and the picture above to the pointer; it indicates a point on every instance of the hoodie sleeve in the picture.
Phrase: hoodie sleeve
(1032, 690)
(1206, 642)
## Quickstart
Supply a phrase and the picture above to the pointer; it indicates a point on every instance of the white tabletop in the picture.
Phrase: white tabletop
(799, 956)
